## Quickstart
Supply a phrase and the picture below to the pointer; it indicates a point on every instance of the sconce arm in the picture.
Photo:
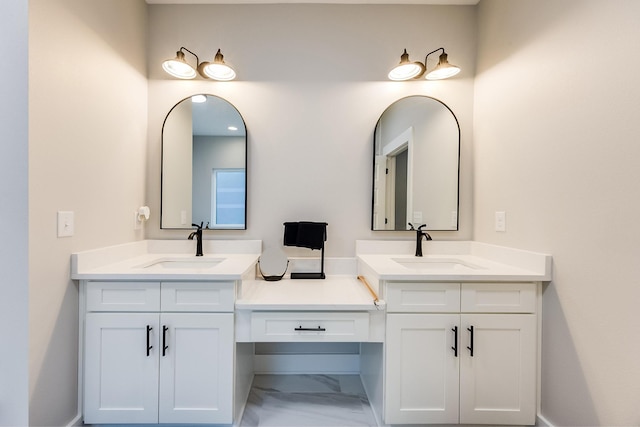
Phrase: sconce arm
(434, 51)
(197, 59)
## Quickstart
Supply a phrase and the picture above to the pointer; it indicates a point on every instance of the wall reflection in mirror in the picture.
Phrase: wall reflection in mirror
(416, 166)
(204, 158)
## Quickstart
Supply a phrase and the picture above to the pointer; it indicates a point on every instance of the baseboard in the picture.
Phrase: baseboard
(75, 422)
(543, 422)
(307, 363)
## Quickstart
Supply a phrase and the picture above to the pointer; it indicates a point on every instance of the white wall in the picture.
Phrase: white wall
(14, 285)
(87, 148)
(556, 146)
(311, 87)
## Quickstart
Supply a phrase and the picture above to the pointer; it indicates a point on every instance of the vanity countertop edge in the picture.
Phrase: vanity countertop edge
(491, 262)
(238, 260)
(335, 293)
(128, 261)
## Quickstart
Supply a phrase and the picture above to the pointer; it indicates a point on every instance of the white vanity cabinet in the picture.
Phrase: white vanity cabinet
(158, 352)
(461, 353)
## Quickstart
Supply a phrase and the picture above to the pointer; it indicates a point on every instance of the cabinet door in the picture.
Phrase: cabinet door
(196, 368)
(421, 369)
(121, 369)
(498, 383)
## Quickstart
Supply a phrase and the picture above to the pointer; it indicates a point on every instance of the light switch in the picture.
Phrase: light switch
(65, 223)
(501, 221)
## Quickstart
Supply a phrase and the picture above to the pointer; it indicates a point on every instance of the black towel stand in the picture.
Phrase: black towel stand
(312, 275)
(292, 238)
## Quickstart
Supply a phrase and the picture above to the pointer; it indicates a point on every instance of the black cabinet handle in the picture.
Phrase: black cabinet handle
(149, 346)
(164, 340)
(455, 341)
(470, 348)
(318, 329)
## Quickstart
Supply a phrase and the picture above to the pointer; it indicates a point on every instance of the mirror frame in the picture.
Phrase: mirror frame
(246, 162)
(373, 175)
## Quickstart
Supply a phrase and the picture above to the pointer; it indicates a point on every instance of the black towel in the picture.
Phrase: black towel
(290, 233)
(312, 235)
(305, 234)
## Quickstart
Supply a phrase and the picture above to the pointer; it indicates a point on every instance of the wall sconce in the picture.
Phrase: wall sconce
(407, 70)
(216, 70)
(179, 67)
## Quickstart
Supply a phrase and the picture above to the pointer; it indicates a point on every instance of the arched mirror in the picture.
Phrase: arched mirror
(416, 166)
(204, 161)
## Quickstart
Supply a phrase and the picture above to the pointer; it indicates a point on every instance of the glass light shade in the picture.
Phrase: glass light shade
(178, 67)
(443, 70)
(217, 69)
(406, 69)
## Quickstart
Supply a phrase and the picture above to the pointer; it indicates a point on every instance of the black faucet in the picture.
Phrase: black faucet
(419, 235)
(198, 235)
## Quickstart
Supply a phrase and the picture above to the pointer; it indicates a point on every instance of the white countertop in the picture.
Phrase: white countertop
(478, 261)
(335, 293)
(130, 261)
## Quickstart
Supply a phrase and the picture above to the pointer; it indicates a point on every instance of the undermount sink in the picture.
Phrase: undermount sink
(195, 263)
(435, 264)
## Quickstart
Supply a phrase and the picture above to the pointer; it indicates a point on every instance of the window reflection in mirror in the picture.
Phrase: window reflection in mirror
(416, 166)
(204, 157)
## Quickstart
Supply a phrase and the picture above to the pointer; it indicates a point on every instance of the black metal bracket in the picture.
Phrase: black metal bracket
(319, 275)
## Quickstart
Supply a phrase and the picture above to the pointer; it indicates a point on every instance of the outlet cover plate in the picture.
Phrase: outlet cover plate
(501, 221)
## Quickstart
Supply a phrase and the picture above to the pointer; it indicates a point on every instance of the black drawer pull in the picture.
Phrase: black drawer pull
(164, 340)
(455, 341)
(149, 346)
(470, 348)
(318, 329)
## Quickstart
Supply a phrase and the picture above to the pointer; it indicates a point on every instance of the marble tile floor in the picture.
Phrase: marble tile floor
(307, 401)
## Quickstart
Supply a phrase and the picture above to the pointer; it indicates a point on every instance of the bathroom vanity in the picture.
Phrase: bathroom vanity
(181, 372)
(462, 341)
(452, 337)
(157, 331)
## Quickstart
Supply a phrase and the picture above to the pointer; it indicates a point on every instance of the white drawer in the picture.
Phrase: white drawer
(498, 298)
(309, 326)
(423, 297)
(197, 296)
(123, 296)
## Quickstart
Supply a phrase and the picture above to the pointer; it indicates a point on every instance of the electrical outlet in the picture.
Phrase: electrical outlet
(66, 226)
(501, 221)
